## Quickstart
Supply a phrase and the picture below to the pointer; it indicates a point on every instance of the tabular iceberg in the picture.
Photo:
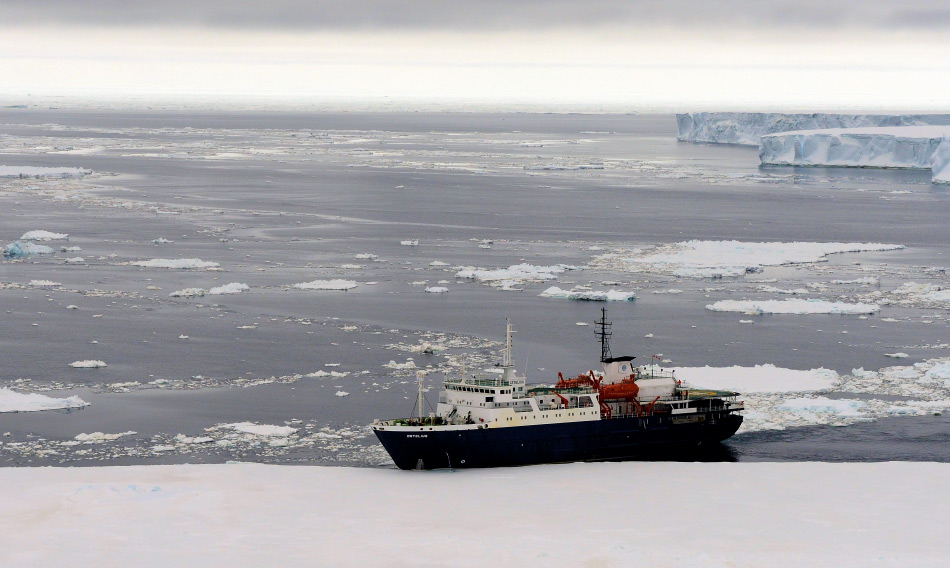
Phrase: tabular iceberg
(909, 147)
(746, 128)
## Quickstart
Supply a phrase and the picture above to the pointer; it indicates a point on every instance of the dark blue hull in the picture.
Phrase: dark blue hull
(598, 440)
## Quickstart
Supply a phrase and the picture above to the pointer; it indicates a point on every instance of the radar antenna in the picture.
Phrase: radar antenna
(604, 333)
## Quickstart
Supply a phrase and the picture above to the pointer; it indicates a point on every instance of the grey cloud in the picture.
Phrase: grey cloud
(481, 15)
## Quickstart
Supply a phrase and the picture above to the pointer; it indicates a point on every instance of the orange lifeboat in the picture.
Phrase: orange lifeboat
(626, 389)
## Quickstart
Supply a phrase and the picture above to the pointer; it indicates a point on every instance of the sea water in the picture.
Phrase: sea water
(401, 202)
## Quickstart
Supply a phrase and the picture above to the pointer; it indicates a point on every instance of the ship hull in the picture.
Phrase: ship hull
(597, 440)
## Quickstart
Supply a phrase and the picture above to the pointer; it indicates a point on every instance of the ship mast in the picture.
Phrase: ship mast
(421, 395)
(604, 335)
(506, 361)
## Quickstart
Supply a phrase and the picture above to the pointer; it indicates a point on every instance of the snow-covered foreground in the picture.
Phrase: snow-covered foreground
(720, 514)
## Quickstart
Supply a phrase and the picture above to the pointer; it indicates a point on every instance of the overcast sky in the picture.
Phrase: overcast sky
(653, 53)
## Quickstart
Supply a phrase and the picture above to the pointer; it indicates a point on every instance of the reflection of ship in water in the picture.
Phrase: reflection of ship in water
(623, 412)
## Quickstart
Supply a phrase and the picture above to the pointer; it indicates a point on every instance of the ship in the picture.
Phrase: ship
(623, 412)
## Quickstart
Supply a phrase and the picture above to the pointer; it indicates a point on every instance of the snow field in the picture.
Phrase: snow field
(817, 514)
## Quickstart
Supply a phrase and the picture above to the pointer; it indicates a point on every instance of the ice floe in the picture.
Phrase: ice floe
(42, 172)
(98, 437)
(778, 398)
(43, 236)
(717, 259)
(437, 289)
(514, 275)
(589, 295)
(12, 401)
(44, 284)
(260, 429)
(825, 405)
(758, 379)
(800, 307)
(176, 263)
(232, 288)
(409, 364)
(189, 293)
(88, 364)
(326, 285)
(913, 294)
(321, 374)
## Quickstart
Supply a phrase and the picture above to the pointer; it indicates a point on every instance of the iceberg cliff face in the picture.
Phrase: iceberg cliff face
(900, 147)
(746, 128)
(940, 165)
(909, 147)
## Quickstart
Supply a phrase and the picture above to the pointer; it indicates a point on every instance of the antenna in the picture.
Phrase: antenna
(604, 333)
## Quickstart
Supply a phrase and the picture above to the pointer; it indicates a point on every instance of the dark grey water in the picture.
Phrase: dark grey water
(278, 199)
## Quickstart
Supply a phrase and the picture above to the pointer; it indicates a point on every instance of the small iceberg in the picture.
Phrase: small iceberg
(18, 249)
(589, 295)
(43, 236)
(326, 285)
(176, 263)
(87, 364)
